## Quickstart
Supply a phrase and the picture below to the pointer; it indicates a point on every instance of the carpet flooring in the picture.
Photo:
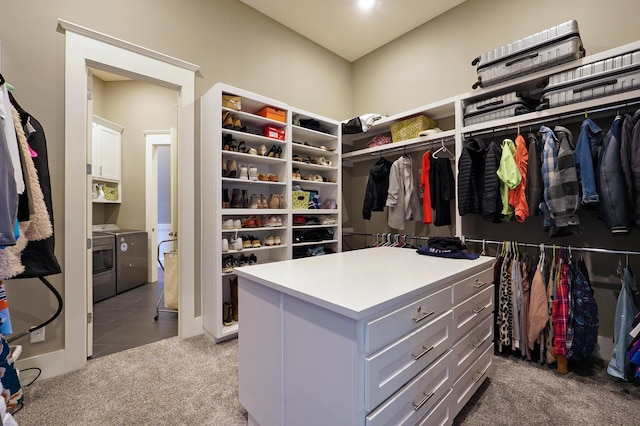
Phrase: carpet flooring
(195, 382)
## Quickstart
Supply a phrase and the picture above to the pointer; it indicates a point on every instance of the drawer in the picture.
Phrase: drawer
(472, 345)
(441, 413)
(392, 326)
(417, 398)
(470, 381)
(466, 288)
(468, 314)
(389, 369)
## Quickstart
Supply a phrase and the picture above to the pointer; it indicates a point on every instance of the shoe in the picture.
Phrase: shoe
(328, 220)
(237, 224)
(249, 222)
(226, 142)
(279, 220)
(274, 201)
(227, 264)
(253, 173)
(237, 124)
(236, 199)
(279, 152)
(281, 203)
(245, 199)
(271, 221)
(233, 290)
(225, 199)
(255, 201)
(296, 173)
(268, 241)
(263, 178)
(225, 245)
(252, 259)
(312, 220)
(227, 224)
(246, 242)
(262, 150)
(224, 168)
(232, 169)
(272, 178)
(252, 151)
(244, 260)
(323, 161)
(242, 147)
(255, 242)
(263, 202)
(277, 241)
(244, 172)
(272, 151)
(235, 244)
(227, 314)
(299, 220)
(259, 222)
(227, 120)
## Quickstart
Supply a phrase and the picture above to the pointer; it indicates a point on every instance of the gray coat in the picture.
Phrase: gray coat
(396, 195)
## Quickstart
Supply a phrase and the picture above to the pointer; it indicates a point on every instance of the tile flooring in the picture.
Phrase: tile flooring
(127, 320)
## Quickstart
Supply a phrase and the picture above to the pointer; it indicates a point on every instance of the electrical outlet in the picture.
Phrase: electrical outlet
(37, 336)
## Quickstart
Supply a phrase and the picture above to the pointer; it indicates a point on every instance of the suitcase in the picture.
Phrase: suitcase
(503, 106)
(547, 48)
(602, 78)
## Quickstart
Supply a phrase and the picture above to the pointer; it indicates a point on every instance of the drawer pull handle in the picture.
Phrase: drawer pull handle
(477, 379)
(480, 284)
(427, 315)
(417, 406)
(478, 310)
(420, 355)
(478, 344)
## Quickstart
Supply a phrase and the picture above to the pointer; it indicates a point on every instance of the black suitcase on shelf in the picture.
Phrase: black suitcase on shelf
(545, 49)
(602, 78)
(503, 106)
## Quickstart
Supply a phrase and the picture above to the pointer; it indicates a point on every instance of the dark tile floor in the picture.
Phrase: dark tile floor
(127, 320)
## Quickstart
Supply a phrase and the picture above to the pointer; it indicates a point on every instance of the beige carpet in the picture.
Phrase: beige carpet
(195, 382)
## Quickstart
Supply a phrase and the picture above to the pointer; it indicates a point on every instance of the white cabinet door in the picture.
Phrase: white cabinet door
(106, 152)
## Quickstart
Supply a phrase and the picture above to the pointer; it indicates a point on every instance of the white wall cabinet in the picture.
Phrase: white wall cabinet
(252, 158)
(106, 166)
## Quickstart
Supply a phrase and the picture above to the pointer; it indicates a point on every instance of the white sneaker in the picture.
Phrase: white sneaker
(244, 172)
(328, 220)
(279, 220)
(237, 224)
(253, 173)
(225, 245)
(236, 244)
(228, 224)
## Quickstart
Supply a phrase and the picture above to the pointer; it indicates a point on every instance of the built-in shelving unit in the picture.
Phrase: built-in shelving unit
(233, 141)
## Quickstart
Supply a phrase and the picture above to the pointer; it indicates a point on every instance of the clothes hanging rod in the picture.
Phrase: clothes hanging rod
(381, 234)
(571, 248)
(558, 118)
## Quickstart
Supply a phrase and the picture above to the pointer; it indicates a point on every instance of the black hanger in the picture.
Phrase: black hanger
(2, 80)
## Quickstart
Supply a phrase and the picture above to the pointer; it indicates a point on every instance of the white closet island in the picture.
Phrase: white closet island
(374, 336)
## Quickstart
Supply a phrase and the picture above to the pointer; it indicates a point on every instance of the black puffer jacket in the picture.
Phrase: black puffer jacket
(491, 202)
(610, 183)
(534, 175)
(470, 176)
(630, 156)
(375, 195)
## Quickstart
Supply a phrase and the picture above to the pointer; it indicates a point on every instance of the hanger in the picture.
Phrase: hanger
(2, 80)
(483, 252)
(442, 148)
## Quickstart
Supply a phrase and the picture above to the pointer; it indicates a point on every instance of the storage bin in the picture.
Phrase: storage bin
(300, 200)
(232, 102)
(273, 132)
(411, 127)
(273, 114)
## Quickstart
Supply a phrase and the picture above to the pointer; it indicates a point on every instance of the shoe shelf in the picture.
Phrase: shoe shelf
(243, 136)
(313, 243)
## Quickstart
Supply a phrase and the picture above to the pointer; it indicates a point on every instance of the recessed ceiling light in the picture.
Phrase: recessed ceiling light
(366, 4)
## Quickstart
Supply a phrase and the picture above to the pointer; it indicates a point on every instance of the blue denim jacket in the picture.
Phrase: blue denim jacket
(625, 312)
(586, 150)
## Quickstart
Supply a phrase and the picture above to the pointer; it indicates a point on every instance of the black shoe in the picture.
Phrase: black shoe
(227, 314)
(252, 259)
(272, 152)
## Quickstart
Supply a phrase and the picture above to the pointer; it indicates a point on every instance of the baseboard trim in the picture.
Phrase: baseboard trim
(50, 364)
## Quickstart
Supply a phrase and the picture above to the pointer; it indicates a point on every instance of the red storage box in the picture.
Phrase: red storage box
(273, 133)
(273, 113)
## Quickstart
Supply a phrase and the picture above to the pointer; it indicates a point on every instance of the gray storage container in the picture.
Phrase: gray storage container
(602, 78)
(547, 48)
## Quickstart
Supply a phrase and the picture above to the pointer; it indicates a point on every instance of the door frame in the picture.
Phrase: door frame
(152, 195)
(88, 48)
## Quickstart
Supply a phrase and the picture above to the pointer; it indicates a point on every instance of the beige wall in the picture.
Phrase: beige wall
(230, 42)
(433, 61)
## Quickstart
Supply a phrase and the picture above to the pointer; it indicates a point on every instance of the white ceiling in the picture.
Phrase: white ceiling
(343, 28)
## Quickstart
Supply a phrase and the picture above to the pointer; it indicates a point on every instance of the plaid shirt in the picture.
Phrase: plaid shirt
(560, 313)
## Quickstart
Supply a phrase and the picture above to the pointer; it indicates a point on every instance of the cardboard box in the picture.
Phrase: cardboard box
(273, 114)
(411, 127)
(273, 132)
(232, 102)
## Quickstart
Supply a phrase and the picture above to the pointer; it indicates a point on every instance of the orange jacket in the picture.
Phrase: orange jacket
(517, 197)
